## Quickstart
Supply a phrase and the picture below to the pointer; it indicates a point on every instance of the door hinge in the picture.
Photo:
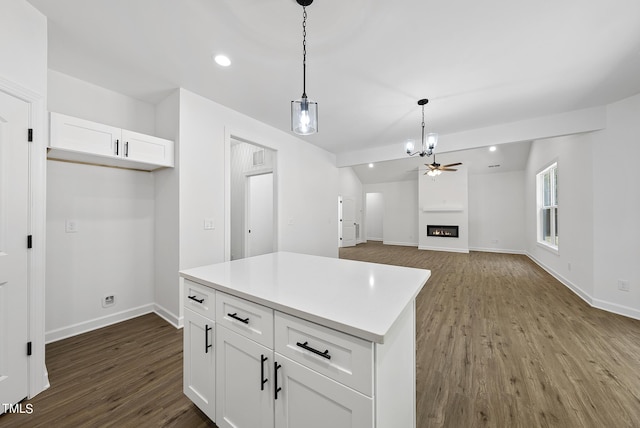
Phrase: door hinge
(30, 241)
(30, 135)
(28, 349)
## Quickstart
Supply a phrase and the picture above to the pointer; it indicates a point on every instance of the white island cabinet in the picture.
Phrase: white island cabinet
(304, 341)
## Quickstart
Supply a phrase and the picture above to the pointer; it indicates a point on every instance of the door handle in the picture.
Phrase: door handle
(207, 345)
(262, 379)
(236, 317)
(276, 366)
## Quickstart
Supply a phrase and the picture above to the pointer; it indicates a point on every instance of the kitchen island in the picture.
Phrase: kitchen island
(293, 340)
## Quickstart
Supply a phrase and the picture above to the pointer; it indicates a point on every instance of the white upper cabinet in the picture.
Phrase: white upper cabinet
(80, 140)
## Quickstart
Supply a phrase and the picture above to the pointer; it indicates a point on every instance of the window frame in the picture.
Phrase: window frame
(542, 205)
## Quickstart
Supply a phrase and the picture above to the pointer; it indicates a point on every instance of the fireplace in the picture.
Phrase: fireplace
(442, 231)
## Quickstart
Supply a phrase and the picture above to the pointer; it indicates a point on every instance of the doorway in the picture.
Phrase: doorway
(374, 206)
(259, 230)
(252, 199)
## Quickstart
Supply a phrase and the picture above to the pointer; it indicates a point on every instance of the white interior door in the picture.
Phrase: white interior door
(259, 214)
(348, 221)
(14, 190)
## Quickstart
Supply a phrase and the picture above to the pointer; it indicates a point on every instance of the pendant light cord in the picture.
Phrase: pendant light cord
(304, 52)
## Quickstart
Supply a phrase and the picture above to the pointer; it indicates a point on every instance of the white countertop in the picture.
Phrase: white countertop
(358, 298)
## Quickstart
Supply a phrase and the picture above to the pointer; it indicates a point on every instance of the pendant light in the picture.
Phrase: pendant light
(304, 112)
(431, 142)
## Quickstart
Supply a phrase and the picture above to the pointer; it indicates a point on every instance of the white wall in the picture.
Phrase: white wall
(448, 191)
(400, 217)
(75, 97)
(350, 185)
(497, 212)
(167, 213)
(23, 45)
(113, 250)
(306, 183)
(375, 216)
(573, 264)
(616, 209)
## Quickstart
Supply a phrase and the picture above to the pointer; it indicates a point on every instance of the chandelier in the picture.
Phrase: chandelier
(428, 144)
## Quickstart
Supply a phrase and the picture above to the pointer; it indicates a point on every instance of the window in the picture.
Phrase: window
(548, 206)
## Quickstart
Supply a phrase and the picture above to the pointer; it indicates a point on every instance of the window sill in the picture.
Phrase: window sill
(548, 247)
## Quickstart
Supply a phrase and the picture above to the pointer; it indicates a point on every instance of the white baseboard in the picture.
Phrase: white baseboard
(168, 316)
(590, 300)
(497, 250)
(402, 244)
(83, 327)
(449, 250)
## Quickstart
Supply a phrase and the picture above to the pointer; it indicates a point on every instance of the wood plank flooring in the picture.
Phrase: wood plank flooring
(500, 344)
(125, 375)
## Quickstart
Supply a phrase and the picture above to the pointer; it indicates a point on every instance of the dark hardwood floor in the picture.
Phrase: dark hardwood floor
(500, 343)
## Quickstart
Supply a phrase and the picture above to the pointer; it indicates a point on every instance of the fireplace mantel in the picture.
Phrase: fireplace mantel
(442, 208)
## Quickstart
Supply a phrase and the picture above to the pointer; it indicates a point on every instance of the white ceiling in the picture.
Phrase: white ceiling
(480, 63)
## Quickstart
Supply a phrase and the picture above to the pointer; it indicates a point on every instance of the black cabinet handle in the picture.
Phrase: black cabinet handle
(196, 299)
(126, 150)
(262, 379)
(207, 329)
(236, 317)
(275, 379)
(117, 146)
(306, 346)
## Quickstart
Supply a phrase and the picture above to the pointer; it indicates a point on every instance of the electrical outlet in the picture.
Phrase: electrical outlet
(109, 300)
(209, 224)
(71, 226)
(623, 285)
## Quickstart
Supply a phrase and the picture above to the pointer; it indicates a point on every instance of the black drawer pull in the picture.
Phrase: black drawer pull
(276, 366)
(236, 317)
(194, 298)
(306, 346)
(207, 329)
(117, 146)
(262, 379)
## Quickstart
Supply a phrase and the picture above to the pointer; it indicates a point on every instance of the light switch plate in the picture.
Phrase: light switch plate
(209, 224)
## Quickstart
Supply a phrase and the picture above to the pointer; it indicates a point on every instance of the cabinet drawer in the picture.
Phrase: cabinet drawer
(342, 357)
(246, 318)
(200, 299)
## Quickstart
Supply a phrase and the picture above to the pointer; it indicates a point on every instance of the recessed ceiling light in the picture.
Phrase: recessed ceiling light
(370, 165)
(493, 148)
(222, 60)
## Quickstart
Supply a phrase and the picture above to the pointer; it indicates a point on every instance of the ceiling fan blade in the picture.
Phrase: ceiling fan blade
(447, 169)
(452, 164)
(431, 167)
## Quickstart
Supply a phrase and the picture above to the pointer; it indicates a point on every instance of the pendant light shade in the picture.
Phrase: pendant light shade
(304, 116)
(304, 112)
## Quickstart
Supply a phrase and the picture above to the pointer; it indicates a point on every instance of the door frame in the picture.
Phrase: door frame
(249, 138)
(37, 372)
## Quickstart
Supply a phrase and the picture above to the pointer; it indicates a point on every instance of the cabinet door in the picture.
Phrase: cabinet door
(244, 382)
(83, 136)
(146, 148)
(310, 400)
(199, 362)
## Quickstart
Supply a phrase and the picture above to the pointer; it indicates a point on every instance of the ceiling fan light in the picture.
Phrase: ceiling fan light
(304, 116)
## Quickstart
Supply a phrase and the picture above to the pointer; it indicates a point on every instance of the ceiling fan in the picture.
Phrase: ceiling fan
(436, 169)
